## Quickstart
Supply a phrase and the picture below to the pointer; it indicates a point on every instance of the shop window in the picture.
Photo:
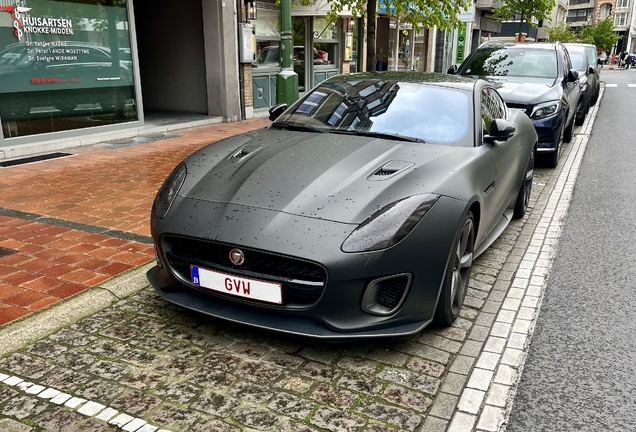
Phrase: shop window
(71, 67)
(267, 28)
(326, 43)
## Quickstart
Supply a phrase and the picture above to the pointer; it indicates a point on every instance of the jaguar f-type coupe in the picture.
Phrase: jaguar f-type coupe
(357, 213)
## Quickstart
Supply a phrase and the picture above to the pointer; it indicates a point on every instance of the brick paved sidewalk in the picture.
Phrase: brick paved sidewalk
(71, 223)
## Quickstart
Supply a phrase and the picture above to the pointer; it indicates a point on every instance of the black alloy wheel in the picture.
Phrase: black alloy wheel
(523, 197)
(457, 275)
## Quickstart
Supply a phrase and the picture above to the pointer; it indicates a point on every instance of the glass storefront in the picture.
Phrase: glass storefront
(64, 65)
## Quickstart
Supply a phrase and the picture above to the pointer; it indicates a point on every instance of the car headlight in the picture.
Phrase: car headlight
(168, 190)
(545, 109)
(389, 225)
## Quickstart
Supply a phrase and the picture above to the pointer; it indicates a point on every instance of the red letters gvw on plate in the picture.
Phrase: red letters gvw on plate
(237, 286)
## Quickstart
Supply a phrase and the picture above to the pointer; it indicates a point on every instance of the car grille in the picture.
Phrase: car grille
(302, 282)
(522, 107)
(391, 291)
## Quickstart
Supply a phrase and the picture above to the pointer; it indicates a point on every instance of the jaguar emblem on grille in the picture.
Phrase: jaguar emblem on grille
(237, 256)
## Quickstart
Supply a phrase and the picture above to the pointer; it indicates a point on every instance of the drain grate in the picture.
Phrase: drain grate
(4, 252)
(32, 159)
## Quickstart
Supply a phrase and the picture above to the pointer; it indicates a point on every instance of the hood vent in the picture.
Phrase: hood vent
(390, 169)
(243, 152)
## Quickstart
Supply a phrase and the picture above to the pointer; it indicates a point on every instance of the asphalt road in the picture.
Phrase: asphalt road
(580, 373)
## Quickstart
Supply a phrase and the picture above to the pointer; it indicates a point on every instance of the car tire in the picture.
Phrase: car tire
(595, 96)
(457, 275)
(580, 119)
(568, 132)
(523, 197)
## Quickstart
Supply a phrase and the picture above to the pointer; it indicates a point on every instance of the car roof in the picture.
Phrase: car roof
(533, 45)
(429, 78)
(582, 45)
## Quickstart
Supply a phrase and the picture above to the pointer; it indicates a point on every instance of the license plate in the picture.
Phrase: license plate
(237, 286)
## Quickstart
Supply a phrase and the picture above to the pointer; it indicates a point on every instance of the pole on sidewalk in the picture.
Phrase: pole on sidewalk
(287, 79)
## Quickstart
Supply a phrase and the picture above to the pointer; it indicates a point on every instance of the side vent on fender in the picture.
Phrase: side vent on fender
(389, 169)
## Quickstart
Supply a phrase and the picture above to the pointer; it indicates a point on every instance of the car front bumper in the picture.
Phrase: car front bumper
(338, 312)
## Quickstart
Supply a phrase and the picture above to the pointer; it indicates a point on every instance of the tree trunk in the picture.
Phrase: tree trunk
(371, 36)
(521, 26)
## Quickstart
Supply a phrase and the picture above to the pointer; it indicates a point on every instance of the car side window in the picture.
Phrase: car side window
(487, 106)
(567, 63)
(499, 110)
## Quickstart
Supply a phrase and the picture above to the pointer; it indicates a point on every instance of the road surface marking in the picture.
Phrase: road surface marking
(631, 85)
(611, 85)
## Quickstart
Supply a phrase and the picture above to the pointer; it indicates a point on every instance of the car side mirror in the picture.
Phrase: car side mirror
(591, 70)
(276, 111)
(500, 130)
(573, 75)
(452, 70)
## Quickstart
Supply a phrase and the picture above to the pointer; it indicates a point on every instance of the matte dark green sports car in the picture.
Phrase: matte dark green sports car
(357, 213)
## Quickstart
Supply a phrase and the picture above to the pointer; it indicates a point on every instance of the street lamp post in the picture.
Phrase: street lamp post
(287, 79)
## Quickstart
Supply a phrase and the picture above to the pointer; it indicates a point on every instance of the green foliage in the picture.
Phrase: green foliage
(561, 33)
(419, 13)
(600, 34)
(539, 9)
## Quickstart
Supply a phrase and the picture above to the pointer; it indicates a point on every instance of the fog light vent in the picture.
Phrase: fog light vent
(384, 296)
(391, 291)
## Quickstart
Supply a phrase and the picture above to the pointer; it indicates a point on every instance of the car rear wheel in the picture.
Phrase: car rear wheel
(457, 275)
(580, 118)
(595, 96)
(523, 197)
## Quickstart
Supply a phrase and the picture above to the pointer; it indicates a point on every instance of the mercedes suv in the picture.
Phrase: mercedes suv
(537, 78)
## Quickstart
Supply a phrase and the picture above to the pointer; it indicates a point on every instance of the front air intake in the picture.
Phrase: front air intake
(384, 296)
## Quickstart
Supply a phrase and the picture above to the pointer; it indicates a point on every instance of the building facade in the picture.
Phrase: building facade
(69, 68)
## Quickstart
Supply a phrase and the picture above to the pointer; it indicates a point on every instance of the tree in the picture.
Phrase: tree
(562, 33)
(539, 9)
(419, 13)
(600, 34)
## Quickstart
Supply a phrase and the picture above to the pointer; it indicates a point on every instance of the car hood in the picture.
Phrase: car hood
(531, 91)
(319, 175)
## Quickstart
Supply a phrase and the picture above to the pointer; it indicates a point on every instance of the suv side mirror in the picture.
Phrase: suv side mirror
(452, 70)
(276, 111)
(591, 70)
(500, 130)
(573, 75)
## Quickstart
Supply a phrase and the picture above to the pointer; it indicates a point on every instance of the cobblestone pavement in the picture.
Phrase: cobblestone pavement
(145, 365)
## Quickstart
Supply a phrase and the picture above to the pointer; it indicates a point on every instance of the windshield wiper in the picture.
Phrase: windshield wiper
(377, 135)
(297, 127)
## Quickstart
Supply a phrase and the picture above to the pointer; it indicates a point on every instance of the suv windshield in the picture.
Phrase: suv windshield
(403, 110)
(514, 61)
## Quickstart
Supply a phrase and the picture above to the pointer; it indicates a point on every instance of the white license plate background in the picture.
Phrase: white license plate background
(237, 286)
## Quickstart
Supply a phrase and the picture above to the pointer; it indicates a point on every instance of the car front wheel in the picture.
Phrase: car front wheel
(457, 274)
(523, 197)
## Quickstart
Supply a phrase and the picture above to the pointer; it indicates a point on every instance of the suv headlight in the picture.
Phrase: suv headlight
(389, 225)
(168, 190)
(545, 109)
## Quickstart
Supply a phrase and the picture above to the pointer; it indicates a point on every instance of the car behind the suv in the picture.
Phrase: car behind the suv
(537, 78)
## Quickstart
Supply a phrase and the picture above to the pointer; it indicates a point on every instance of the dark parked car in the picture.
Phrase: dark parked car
(357, 213)
(537, 78)
(586, 76)
(592, 79)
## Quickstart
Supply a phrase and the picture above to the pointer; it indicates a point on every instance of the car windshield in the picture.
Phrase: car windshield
(512, 61)
(383, 108)
(578, 60)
